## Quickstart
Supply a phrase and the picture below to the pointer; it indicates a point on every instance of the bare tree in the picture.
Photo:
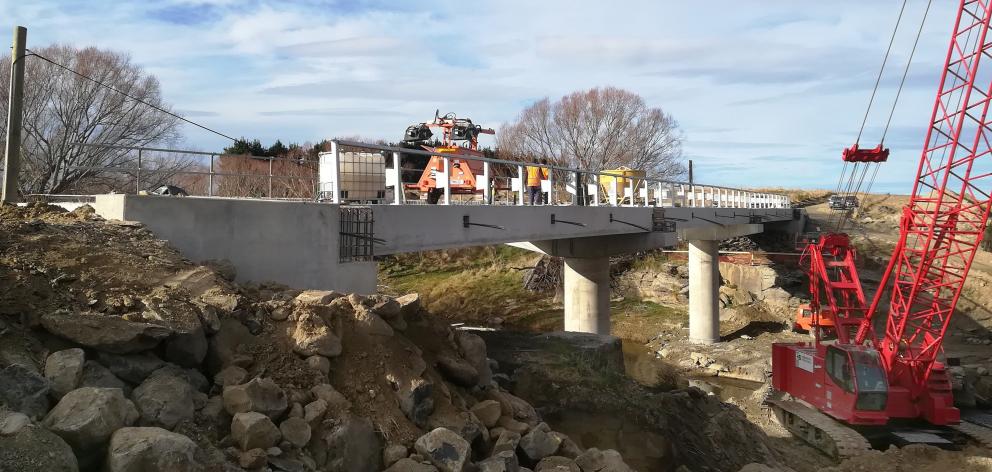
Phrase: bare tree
(62, 109)
(601, 128)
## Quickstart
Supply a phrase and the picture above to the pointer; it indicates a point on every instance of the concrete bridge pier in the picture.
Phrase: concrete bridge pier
(704, 291)
(587, 294)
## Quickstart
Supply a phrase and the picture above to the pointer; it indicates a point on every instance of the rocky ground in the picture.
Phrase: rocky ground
(116, 354)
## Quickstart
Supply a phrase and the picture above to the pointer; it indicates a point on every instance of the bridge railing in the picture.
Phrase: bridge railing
(361, 173)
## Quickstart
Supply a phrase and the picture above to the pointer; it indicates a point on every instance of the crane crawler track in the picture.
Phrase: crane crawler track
(819, 430)
(981, 434)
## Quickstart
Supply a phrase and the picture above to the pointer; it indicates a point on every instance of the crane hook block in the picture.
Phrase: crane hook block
(855, 154)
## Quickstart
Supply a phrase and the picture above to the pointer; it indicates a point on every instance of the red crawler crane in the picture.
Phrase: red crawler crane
(864, 377)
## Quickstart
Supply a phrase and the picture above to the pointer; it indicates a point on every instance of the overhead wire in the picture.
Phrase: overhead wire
(136, 99)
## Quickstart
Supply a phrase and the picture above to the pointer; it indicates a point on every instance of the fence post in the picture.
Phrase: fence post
(270, 176)
(210, 178)
(137, 175)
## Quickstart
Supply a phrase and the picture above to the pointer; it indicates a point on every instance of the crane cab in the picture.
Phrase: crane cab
(844, 381)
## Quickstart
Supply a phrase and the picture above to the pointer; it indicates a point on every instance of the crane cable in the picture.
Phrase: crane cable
(842, 217)
(864, 121)
(905, 72)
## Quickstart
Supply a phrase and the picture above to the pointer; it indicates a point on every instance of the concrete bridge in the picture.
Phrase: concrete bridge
(332, 244)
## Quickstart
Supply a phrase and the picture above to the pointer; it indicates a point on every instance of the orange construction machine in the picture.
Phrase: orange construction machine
(463, 174)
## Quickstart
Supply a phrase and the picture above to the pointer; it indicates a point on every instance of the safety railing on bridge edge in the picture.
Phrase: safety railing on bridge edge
(211, 174)
(348, 176)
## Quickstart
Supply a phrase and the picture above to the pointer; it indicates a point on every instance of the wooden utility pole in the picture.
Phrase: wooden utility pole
(12, 158)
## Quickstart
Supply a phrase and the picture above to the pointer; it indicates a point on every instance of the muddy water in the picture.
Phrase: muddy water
(642, 449)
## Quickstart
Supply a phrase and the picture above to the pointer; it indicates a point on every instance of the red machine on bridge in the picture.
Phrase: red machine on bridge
(868, 365)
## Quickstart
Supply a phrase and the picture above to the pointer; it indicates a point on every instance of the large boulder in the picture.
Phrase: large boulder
(164, 400)
(25, 446)
(96, 375)
(231, 375)
(389, 310)
(539, 443)
(366, 321)
(86, 417)
(313, 337)
(473, 349)
(457, 370)
(64, 370)
(501, 461)
(105, 333)
(134, 368)
(595, 460)
(254, 430)
(296, 431)
(259, 394)
(24, 390)
(409, 304)
(445, 449)
(354, 446)
(316, 297)
(488, 412)
(152, 450)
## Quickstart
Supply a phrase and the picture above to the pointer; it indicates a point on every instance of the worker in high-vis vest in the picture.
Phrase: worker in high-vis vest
(534, 177)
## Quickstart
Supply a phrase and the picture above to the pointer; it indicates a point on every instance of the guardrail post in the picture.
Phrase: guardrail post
(487, 190)
(137, 175)
(398, 172)
(447, 180)
(595, 189)
(336, 173)
(521, 174)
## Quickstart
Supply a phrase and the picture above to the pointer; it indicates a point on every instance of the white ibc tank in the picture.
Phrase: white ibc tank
(360, 177)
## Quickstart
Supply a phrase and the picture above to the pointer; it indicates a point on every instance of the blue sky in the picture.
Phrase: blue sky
(766, 92)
